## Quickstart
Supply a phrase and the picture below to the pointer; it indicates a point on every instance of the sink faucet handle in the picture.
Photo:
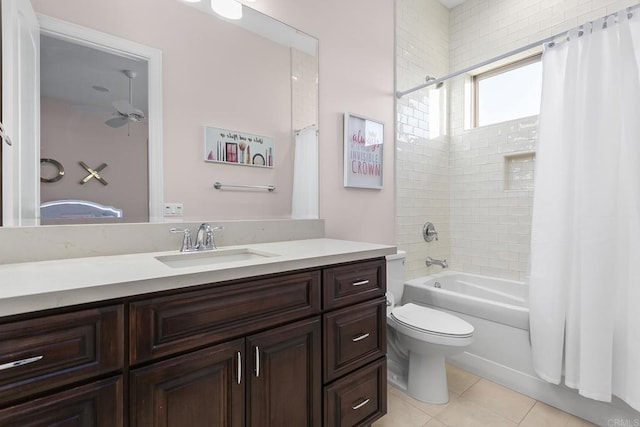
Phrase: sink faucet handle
(210, 239)
(187, 244)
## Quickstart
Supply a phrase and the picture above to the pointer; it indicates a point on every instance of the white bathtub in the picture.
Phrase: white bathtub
(501, 349)
(499, 300)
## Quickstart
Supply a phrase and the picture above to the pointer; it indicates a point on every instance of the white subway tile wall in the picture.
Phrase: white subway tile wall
(422, 160)
(480, 200)
(481, 29)
(304, 88)
(519, 171)
(490, 225)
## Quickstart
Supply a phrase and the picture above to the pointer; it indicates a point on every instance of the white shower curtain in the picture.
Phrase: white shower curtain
(304, 202)
(585, 249)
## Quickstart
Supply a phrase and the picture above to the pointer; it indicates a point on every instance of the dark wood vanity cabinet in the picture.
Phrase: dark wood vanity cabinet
(284, 384)
(354, 344)
(202, 388)
(98, 404)
(304, 348)
(53, 369)
(269, 374)
(267, 379)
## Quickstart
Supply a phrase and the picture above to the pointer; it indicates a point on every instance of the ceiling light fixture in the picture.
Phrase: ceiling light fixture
(230, 9)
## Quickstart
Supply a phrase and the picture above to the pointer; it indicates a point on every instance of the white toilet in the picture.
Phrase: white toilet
(419, 338)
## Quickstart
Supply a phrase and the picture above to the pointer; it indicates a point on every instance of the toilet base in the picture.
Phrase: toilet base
(427, 380)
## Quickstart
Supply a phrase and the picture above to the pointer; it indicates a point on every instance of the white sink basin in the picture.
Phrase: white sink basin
(218, 256)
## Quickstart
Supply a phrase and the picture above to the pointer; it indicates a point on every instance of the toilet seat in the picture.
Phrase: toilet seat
(431, 325)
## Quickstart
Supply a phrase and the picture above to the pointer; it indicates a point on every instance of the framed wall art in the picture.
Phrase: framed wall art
(363, 143)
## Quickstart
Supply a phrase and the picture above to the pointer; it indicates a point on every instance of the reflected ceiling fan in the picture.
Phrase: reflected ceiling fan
(125, 111)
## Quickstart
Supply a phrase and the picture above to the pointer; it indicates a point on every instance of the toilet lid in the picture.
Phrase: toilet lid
(432, 321)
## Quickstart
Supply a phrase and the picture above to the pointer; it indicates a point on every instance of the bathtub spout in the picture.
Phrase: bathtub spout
(430, 261)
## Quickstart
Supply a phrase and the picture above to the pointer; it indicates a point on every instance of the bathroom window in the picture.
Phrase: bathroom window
(508, 92)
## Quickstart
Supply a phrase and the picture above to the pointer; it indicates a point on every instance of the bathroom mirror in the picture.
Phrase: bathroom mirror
(255, 76)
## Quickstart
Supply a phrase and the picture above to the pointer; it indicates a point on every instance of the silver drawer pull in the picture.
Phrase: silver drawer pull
(239, 367)
(17, 363)
(360, 283)
(257, 361)
(360, 405)
(360, 337)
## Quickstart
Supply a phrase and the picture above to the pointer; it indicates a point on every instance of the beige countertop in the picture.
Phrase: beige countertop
(33, 286)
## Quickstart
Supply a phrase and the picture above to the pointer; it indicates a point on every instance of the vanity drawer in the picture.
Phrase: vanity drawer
(353, 337)
(352, 283)
(168, 325)
(98, 404)
(357, 399)
(40, 354)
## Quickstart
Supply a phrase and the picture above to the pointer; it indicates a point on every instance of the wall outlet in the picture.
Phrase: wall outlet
(173, 209)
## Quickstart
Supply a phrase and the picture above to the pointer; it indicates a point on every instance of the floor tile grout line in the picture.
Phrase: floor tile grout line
(528, 412)
(466, 389)
(490, 411)
(535, 401)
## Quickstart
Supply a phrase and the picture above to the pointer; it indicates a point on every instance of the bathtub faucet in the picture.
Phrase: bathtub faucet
(430, 261)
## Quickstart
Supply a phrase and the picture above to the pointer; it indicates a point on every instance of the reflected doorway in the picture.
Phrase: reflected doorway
(94, 134)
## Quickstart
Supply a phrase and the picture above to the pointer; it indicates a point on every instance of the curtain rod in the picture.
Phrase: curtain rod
(297, 131)
(400, 94)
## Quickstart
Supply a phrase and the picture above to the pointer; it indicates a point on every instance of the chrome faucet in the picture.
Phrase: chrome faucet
(430, 261)
(204, 238)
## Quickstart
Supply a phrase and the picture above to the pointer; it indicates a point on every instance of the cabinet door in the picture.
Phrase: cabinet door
(97, 404)
(284, 378)
(204, 388)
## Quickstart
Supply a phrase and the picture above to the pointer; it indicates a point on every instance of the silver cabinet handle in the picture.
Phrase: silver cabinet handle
(360, 283)
(360, 405)
(360, 337)
(257, 361)
(239, 367)
(17, 363)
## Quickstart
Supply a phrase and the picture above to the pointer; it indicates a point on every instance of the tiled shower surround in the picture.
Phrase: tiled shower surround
(304, 88)
(491, 223)
(422, 160)
(474, 184)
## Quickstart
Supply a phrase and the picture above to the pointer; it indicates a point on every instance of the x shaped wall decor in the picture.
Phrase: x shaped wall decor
(93, 173)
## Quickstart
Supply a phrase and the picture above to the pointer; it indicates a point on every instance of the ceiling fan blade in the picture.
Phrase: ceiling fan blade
(117, 122)
(123, 107)
(126, 109)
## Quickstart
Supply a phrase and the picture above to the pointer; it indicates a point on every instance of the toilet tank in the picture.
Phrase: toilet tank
(395, 274)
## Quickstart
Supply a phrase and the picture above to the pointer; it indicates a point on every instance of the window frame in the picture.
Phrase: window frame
(476, 79)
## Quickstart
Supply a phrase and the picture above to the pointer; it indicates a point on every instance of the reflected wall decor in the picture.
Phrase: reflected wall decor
(239, 148)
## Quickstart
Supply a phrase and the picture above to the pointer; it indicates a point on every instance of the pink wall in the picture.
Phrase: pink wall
(70, 135)
(356, 75)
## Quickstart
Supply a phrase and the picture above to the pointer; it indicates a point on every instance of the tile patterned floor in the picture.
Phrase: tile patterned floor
(474, 402)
